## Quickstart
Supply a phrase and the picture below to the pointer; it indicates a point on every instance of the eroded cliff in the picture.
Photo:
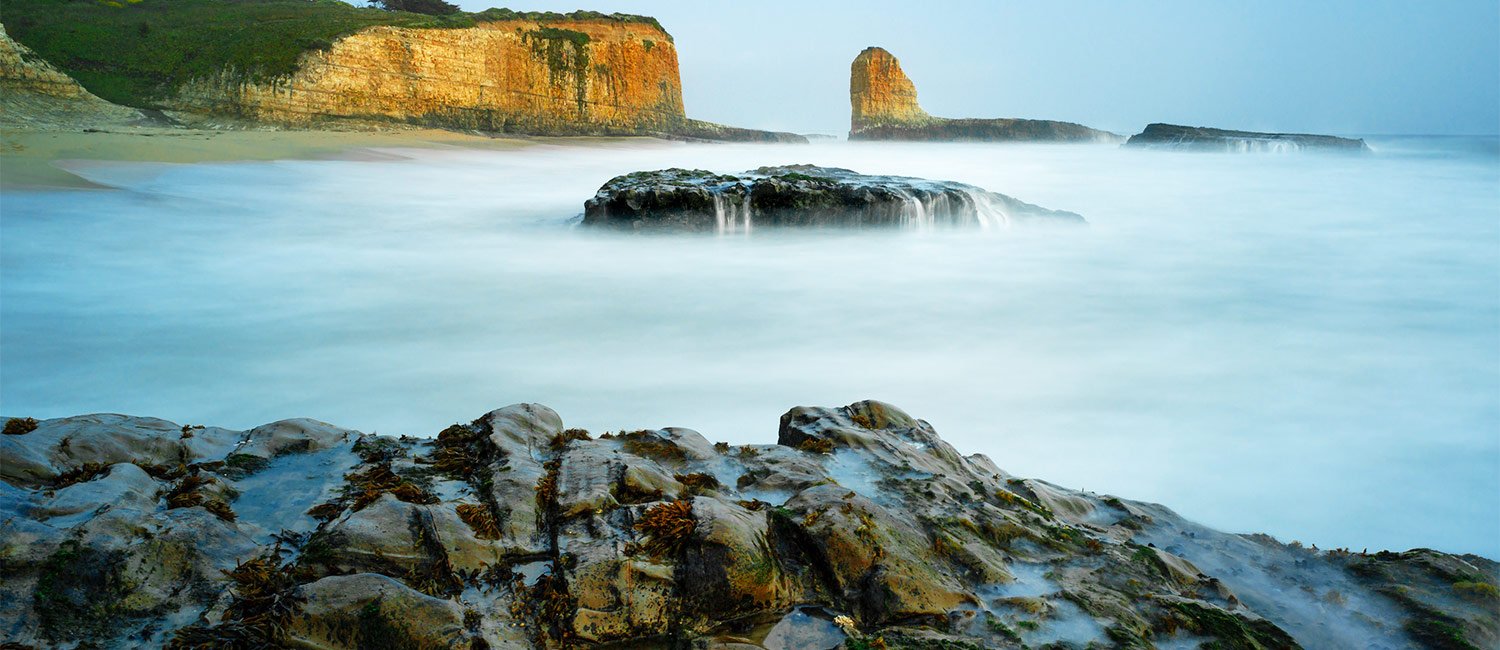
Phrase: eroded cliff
(884, 106)
(33, 93)
(511, 76)
(309, 64)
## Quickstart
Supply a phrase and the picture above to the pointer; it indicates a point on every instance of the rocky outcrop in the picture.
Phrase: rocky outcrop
(859, 528)
(884, 107)
(801, 196)
(35, 94)
(1172, 136)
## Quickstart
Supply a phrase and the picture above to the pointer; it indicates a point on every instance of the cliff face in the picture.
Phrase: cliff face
(511, 76)
(301, 64)
(33, 93)
(884, 107)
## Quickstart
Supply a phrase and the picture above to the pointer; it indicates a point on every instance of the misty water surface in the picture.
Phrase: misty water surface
(1298, 344)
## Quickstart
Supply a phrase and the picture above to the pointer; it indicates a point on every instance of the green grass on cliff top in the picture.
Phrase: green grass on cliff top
(135, 52)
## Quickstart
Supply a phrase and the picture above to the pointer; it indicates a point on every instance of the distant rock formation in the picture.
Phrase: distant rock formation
(859, 527)
(33, 94)
(1172, 136)
(884, 107)
(800, 196)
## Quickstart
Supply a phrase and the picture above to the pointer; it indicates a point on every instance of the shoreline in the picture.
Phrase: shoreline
(35, 159)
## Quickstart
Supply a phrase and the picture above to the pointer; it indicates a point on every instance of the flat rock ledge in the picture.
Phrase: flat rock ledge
(1200, 138)
(860, 528)
(800, 196)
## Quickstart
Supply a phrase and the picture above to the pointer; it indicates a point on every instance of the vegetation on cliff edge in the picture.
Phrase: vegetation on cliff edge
(135, 52)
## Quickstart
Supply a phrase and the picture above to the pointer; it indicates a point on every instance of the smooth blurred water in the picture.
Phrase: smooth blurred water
(1303, 345)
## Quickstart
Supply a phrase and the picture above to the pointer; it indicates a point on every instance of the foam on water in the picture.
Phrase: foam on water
(1299, 344)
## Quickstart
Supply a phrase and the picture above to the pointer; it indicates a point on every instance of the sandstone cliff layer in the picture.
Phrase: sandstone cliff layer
(859, 528)
(884, 106)
(317, 63)
(512, 76)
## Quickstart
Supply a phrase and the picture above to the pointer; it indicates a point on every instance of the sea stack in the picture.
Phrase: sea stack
(883, 103)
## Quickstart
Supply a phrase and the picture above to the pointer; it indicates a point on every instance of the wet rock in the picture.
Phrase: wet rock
(369, 610)
(1200, 138)
(802, 630)
(508, 532)
(523, 429)
(1446, 600)
(294, 436)
(800, 196)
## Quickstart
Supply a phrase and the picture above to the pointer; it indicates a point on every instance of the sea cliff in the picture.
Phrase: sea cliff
(565, 77)
(313, 64)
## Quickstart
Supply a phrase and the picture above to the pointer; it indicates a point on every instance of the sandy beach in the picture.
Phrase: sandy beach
(38, 159)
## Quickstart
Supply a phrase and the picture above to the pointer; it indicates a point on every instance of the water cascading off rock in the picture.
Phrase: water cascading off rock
(801, 196)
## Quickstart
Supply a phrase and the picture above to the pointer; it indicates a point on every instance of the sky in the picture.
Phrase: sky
(1334, 66)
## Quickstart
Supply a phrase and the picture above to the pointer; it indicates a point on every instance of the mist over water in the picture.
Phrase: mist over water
(1303, 345)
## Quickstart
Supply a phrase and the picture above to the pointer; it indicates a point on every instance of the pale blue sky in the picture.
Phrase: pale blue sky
(1366, 66)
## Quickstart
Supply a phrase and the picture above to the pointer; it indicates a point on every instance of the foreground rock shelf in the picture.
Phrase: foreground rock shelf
(1199, 138)
(860, 528)
(800, 196)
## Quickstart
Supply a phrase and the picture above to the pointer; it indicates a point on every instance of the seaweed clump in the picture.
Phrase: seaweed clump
(81, 474)
(364, 488)
(549, 605)
(668, 526)
(461, 450)
(816, 445)
(264, 600)
(188, 492)
(546, 487)
(561, 440)
(20, 426)
(480, 519)
(698, 481)
(645, 444)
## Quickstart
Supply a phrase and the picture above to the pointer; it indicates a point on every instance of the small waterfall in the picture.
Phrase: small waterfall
(1262, 145)
(732, 214)
(914, 213)
(989, 213)
(939, 210)
(719, 211)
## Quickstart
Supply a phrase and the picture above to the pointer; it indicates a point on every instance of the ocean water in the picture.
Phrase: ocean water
(1304, 345)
